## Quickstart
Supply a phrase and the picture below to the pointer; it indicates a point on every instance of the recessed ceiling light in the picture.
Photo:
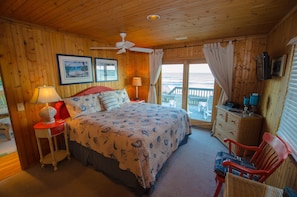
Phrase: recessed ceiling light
(153, 17)
(181, 38)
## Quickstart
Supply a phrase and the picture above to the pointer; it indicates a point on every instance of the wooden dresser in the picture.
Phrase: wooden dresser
(240, 127)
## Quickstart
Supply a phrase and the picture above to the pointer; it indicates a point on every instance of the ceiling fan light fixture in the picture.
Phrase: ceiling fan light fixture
(153, 17)
(124, 44)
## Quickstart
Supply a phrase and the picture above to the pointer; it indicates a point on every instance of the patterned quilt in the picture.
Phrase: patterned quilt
(140, 136)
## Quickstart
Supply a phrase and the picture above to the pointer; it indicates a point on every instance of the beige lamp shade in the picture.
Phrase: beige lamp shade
(136, 81)
(46, 94)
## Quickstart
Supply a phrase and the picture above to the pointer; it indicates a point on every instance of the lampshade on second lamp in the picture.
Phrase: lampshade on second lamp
(46, 94)
(136, 81)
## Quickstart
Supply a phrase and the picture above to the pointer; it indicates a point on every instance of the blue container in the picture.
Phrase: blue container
(246, 101)
(254, 99)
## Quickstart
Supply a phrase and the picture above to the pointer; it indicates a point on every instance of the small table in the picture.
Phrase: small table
(238, 186)
(50, 131)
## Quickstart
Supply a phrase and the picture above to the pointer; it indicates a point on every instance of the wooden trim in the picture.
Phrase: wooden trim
(294, 9)
(9, 165)
(201, 43)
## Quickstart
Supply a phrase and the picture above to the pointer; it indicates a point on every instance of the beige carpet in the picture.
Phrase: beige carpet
(188, 173)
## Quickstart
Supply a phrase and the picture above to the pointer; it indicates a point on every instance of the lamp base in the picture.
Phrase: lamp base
(47, 114)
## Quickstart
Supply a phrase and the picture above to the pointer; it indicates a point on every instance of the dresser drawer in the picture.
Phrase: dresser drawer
(236, 126)
(222, 115)
(222, 134)
(233, 121)
(229, 131)
(57, 130)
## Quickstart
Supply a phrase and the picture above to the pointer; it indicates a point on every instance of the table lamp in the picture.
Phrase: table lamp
(136, 82)
(46, 94)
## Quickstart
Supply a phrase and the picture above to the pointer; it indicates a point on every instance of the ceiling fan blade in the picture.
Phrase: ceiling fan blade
(122, 50)
(139, 49)
(103, 48)
(128, 44)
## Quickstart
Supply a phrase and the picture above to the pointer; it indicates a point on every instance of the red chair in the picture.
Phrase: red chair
(252, 162)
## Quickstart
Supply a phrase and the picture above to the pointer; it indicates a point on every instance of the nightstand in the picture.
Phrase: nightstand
(50, 131)
(138, 101)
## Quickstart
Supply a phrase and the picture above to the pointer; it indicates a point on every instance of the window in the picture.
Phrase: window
(189, 86)
(288, 124)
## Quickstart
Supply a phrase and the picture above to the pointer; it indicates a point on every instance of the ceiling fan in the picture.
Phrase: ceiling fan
(124, 45)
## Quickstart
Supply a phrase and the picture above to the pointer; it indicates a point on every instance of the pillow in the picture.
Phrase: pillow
(122, 96)
(62, 112)
(109, 101)
(81, 105)
(289, 192)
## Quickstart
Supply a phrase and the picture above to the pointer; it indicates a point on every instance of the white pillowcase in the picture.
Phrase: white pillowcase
(109, 101)
(122, 96)
(81, 105)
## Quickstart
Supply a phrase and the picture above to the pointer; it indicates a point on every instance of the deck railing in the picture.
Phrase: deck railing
(195, 95)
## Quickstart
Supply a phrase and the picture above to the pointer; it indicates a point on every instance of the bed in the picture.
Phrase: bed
(130, 142)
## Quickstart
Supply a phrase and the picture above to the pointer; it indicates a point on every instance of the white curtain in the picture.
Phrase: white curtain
(155, 70)
(220, 61)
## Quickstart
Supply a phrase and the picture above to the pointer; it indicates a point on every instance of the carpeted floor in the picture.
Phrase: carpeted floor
(188, 173)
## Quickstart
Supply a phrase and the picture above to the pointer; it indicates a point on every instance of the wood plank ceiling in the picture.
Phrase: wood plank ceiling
(198, 20)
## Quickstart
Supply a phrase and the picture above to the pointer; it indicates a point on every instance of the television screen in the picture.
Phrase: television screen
(263, 66)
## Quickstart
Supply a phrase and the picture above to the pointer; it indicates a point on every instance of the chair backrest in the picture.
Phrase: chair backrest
(271, 153)
(209, 104)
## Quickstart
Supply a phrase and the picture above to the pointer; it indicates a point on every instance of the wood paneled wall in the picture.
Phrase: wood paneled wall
(28, 59)
(244, 74)
(275, 92)
(245, 82)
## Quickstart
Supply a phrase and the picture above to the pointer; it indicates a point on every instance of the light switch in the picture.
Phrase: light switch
(20, 106)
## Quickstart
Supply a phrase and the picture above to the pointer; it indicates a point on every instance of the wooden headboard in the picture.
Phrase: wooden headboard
(60, 106)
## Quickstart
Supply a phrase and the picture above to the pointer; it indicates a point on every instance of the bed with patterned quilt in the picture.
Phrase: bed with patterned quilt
(130, 142)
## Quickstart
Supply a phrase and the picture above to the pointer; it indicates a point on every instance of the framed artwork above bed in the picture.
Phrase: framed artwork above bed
(106, 69)
(75, 69)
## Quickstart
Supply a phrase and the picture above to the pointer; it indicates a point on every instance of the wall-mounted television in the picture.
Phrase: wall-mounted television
(263, 66)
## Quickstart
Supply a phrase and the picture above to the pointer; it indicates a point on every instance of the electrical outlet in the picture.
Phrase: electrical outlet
(20, 106)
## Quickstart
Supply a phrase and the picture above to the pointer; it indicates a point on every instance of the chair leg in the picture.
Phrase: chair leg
(219, 186)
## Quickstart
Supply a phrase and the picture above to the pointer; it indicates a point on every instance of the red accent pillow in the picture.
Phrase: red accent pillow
(62, 112)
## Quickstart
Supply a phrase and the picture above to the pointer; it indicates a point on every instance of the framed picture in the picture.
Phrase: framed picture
(278, 66)
(75, 69)
(106, 69)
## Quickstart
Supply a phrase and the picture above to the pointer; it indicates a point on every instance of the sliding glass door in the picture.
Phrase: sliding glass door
(188, 86)
(200, 92)
(172, 84)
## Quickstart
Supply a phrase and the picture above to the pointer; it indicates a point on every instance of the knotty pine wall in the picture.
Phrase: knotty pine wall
(245, 82)
(28, 59)
(274, 94)
(244, 74)
(20, 79)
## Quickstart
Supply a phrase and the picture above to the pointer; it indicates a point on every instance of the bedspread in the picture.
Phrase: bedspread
(140, 136)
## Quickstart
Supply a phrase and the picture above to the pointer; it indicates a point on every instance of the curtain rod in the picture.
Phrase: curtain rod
(195, 45)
